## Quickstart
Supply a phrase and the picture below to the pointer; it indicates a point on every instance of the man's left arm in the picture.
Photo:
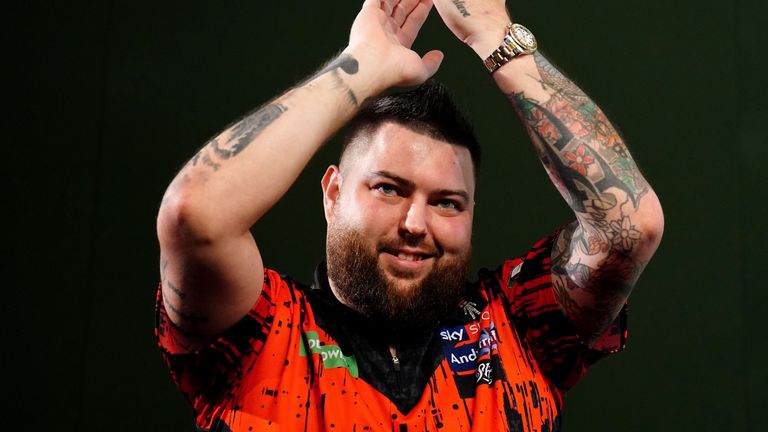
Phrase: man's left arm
(597, 259)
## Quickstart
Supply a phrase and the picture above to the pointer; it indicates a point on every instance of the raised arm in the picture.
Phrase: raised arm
(211, 269)
(598, 258)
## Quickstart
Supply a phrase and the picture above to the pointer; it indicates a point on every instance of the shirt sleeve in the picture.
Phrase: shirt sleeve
(209, 375)
(562, 355)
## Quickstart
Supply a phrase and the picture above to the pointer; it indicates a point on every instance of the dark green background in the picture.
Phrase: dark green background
(106, 100)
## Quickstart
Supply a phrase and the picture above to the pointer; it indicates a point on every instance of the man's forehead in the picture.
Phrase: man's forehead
(398, 149)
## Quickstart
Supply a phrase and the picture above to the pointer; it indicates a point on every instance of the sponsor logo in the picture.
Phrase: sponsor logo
(331, 355)
(463, 358)
(473, 328)
(484, 373)
(488, 340)
(454, 334)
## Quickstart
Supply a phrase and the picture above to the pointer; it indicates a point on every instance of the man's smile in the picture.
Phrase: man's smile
(405, 261)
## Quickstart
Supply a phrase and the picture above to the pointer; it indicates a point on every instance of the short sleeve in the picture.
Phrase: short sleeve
(210, 375)
(562, 355)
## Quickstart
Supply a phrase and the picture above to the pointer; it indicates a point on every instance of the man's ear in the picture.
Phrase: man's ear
(331, 184)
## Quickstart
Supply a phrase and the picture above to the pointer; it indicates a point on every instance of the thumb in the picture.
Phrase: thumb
(432, 61)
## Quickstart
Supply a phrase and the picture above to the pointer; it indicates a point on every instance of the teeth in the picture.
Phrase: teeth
(409, 257)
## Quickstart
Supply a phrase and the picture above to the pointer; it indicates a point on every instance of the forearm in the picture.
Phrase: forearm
(597, 260)
(582, 152)
(243, 171)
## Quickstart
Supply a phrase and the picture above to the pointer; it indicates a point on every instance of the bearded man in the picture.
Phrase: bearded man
(391, 335)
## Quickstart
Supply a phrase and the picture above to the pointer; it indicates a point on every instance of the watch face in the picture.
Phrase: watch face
(524, 37)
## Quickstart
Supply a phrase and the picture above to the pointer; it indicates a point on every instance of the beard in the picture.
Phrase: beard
(362, 285)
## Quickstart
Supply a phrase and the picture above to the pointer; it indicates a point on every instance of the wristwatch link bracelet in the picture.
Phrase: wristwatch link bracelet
(517, 41)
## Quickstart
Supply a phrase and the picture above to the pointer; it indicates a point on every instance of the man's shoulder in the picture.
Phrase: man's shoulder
(527, 266)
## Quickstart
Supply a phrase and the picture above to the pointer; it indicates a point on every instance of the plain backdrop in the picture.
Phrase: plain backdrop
(107, 100)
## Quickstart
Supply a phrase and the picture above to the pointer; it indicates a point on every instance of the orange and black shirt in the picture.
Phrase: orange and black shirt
(301, 361)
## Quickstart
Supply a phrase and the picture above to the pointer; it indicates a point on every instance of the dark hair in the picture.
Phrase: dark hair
(426, 109)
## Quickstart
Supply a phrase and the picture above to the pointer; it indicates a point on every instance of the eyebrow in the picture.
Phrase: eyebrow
(405, 182)
(396, 178)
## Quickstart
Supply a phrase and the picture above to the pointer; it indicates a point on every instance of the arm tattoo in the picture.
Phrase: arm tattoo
(578, 141)
(246, 130)
(591, 294)
(593, 265)
(345, 63)
(461, 7)
(243, 132)
(186, 318)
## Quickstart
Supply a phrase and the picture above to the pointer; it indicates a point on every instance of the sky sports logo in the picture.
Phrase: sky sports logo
(331, 355)
(473, 342)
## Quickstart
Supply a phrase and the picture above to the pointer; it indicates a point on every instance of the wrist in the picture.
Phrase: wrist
(371, 77)
(486, 42)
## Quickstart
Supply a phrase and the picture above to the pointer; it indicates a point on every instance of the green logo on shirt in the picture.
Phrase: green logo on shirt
(331, 354)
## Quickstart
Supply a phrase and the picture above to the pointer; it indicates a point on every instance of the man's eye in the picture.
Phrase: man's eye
(386, 189)
(448, 205)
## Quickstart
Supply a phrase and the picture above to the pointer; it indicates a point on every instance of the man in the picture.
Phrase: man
(391, 336)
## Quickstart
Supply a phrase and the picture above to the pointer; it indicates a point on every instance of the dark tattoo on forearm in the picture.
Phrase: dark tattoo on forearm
(241, 135)
(246, 130)
(207, 159)
(593, 265)
(461, 7)
(243, 132)
(347, 64)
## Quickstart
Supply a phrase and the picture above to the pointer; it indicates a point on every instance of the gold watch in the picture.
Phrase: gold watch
(518, 41)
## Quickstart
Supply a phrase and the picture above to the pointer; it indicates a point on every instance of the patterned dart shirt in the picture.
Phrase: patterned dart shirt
(301, 361)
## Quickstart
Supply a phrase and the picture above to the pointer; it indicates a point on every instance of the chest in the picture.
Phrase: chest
(475, 375)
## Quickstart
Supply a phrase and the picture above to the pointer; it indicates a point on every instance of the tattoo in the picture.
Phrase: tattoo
(347, 64)
(591, 295)
(570, 119)
(340, 84)
(623, 234)
(187, 318)
(168, 283)
(593, 265)
(461, 7)
(243, 132)
(195, 158)
(552, 79)
(583, 172)
(207, 161)
(246, 130)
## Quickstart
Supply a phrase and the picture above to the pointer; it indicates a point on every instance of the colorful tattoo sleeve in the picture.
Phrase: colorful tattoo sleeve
(594, 262)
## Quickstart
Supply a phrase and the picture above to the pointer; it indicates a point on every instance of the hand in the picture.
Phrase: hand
(383, 33)
(481, 24)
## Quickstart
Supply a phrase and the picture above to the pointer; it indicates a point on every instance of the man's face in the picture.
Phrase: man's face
(399, 224)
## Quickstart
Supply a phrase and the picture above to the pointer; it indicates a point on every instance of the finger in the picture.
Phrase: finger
(432, 61)
(402, 9)
(388, 6)
(410, 28)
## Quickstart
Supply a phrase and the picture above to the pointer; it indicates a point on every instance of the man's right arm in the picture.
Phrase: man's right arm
(211, 269)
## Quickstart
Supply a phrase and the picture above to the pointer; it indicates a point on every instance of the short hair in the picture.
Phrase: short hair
(427, 109)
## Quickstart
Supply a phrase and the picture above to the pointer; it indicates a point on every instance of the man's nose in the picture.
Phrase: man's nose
(415, 221)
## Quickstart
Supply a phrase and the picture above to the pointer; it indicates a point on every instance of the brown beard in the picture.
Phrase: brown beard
(362, 285)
